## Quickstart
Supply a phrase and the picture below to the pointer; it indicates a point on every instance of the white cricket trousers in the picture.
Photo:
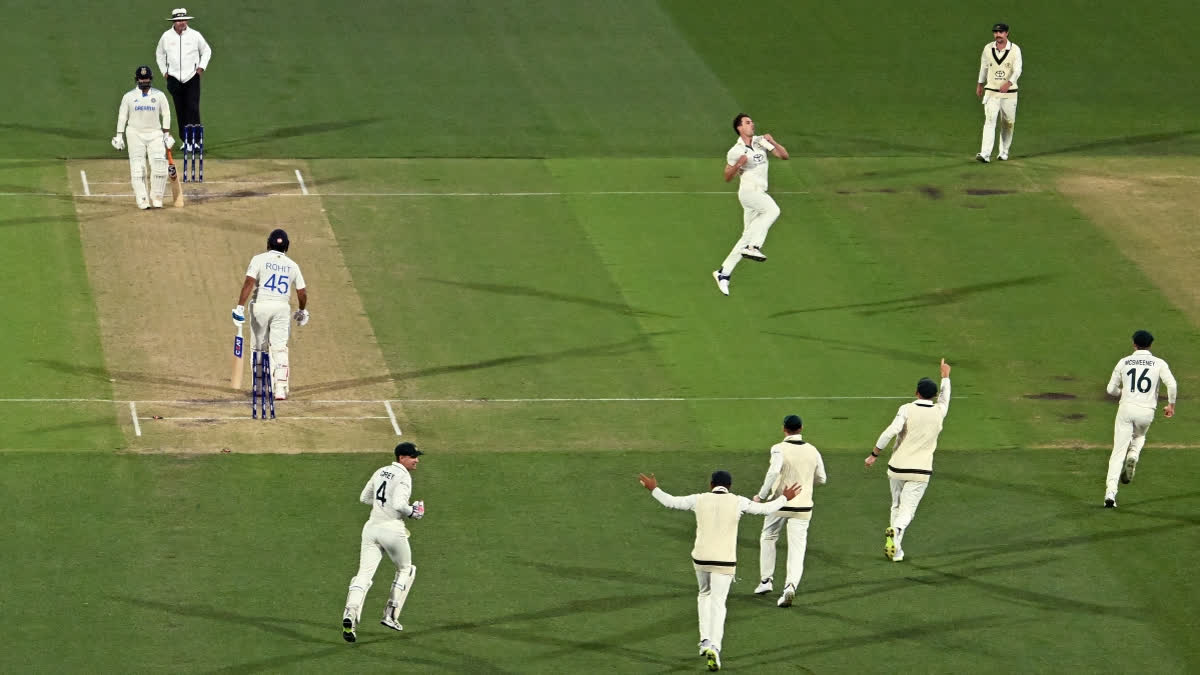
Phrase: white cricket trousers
(1129, 435)
(378, 538)
(270, 326)
(710, 604)
(906, 496)
(1005, 109)
(797, 544)
(759, 212)
(143, 146)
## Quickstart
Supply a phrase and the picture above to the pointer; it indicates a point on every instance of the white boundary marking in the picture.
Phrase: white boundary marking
(137, 428)
(87, 190)
(300, 179)
(392, 416)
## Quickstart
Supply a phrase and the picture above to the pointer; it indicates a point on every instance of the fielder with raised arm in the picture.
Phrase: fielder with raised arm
(387, 492)
(144, 127)
(1135, 379)
(271, 277)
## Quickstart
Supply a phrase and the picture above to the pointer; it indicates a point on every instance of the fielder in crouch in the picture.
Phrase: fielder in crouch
(145, 120)
(714, 555)
(748, 160)
(387, 492)
(271, 277)
(916, 429)
(794, 461)
(1135, 379)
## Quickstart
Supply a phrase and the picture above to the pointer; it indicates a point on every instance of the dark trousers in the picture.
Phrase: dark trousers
(187, 100)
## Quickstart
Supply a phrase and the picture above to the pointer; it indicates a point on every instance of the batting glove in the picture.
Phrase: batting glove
(418, 510)
(118, 142)
(168, 140)
(239, 315)
(301, 317)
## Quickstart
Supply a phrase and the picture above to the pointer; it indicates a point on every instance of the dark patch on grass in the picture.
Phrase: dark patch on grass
(983, 192)
(931, 191)
(1052, 396)
(885, 190)
(845, 192)
(1073, 417)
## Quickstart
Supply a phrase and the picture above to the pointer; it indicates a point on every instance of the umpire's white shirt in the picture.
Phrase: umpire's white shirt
(277, 275)
(180, 54)
(1136, 378)
(388, 492)
(144, 111)
(753, 174)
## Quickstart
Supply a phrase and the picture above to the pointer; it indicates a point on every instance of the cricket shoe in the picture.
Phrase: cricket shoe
(1002, 158)
(143, 204)
(754, 253)
(722, 282)
(1110, 500)
(980, 158)
(712, 659)
(348, 630)
(390, 623)
(889, 543)
(899, 555)
(1130, 468)
(704, 646)
(785, 600)
(156, 203)
(764, 587)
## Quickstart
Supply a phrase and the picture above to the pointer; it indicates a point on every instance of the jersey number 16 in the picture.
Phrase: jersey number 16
(1141, 383)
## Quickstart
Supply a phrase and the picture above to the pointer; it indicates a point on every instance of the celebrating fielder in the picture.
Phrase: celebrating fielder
(271, 277)
(144, 119)
(387, 492)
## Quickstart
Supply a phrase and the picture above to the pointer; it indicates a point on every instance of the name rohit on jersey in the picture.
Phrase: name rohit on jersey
(276, 267)
(1140, 362)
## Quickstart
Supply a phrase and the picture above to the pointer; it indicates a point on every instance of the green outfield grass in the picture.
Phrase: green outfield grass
(527, 198)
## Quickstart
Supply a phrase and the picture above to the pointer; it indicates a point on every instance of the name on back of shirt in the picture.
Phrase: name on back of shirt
(276, 267)
(1140, 362)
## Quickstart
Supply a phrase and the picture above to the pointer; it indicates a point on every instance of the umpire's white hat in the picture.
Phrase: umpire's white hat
(180, 14)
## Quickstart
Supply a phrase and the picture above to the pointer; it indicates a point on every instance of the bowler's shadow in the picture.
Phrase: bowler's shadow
(941, 296)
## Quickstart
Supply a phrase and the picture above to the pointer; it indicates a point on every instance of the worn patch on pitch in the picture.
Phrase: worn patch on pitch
(1051, 396)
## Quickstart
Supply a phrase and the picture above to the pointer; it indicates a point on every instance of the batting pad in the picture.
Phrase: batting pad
(158, 184)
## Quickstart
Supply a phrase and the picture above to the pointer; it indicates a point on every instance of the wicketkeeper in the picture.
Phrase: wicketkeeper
(271, 277)
(144, 127)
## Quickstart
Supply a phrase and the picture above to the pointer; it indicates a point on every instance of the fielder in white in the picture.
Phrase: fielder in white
(748, 160)
(270, 277)
(999, 68)
(144, 126)
(1135, 379)
(387, 492)
(714, 555)
(794, 461)
(916, 429)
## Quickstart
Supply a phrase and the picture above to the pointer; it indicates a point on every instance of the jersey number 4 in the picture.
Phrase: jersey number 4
(277, 283)
(381, 493)
(1141, 383)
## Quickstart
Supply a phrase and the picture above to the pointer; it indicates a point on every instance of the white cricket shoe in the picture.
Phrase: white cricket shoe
(156, 203)
(785, 600)
(348, 630)
(899, 555)
(765, 586)
(1002, 158)
(1130, 468)
(705, 645)
(980, 158)
(754, 253)
(390, 623)
(722, 282)
(1110, 500)
(712, 658)
(143, 204)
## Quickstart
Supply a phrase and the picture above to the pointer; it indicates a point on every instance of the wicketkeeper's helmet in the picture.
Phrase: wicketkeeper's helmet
(278, 241)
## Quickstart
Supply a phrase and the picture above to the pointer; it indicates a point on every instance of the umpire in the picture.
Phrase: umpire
(183, 56)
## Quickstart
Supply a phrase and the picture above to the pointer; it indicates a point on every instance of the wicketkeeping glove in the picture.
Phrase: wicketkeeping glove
(301, 317)
(118, 142)
(418, 510)
(168, 140)
(239, 315)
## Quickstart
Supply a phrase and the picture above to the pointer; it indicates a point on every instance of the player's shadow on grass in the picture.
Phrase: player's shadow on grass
(632, 345)
(941, 296)
(295, 131)
(842, 345)
(61, 132)
(531, 292)
(125, 376)
(1121, 142)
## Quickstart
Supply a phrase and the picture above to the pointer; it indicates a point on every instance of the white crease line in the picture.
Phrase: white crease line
(137, 428)
(87, 190)
(392, 416)
(632, 399)
(300, 179)
(281, 417)
(209, 182)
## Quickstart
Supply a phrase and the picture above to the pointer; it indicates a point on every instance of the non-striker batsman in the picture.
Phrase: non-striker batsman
(144, 127)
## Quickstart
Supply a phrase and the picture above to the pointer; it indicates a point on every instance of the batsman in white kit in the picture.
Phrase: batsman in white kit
(387, 492)
(794, 461)
(271, 277)
(1135, 379)
(748, 160)
(144, 127)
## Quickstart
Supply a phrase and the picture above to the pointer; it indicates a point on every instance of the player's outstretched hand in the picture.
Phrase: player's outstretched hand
(945, 369)
(648, 482)
(791, 491)
(118, 142)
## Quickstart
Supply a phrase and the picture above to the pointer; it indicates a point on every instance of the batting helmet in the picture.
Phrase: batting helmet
(278, 241)
(143, 73)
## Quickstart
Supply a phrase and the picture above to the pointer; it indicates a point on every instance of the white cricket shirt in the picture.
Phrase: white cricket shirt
(277, 275)
(144, 112)
(1136, 378)
(388, 492)
(753, 174)
(793, 461)
(180, 54)
(916, 428)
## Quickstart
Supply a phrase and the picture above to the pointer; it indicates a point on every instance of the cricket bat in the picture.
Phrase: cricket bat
(239, 363)
(177, 193)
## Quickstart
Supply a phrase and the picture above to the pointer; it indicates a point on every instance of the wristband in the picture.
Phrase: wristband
(874, 454)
